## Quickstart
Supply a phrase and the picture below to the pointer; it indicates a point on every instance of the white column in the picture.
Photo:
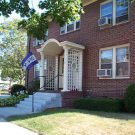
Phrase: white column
(65, 81)
(42, 79)
(81, 70)
(56, 73)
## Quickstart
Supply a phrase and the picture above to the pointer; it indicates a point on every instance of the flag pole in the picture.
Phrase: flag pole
(28, 51)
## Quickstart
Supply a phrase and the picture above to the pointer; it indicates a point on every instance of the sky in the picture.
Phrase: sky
(32, 3)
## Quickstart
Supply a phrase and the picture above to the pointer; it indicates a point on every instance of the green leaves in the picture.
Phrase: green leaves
(13, 51)
(59, 11)
(20, 6)
(37, 25)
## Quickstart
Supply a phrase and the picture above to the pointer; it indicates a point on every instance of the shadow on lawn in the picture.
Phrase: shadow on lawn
(122, 116)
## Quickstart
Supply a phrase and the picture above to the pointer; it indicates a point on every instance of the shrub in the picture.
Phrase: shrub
(13, 100)
(130, 98)
(17, 89)
(34, 86)
(109, 105)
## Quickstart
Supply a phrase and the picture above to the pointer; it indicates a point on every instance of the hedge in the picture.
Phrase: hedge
(12, 101)
(109, 105)
(130, 98)
(17, 89)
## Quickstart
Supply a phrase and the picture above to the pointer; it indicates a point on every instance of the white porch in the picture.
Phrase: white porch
(62, 64)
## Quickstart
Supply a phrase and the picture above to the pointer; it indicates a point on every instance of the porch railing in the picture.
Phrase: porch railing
(51, 80)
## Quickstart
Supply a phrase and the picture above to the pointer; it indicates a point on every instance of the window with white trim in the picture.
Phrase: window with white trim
(37, 68)
(106, 59)
(117, 59)
(116, 10)
(69, 27)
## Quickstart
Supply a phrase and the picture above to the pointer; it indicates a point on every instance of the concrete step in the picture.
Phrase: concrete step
(42, 101)
(40, 98)
(29, 108)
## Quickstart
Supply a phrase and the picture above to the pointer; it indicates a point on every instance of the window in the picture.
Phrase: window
(122, 7)
(116, 10)
(107, 10)
(37, 68)
(71, 26)
(122, 62)
(117, 59)
(106, 59)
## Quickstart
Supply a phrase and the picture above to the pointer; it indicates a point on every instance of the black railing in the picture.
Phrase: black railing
(53, 79)
(29, 85)
(35, 79)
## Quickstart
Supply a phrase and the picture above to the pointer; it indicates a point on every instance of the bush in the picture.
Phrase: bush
(17, 89)
(34, 86)
(109, 105)
(12, 101)
(130, 98)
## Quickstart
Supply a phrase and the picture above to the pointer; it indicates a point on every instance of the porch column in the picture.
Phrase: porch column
(42, 79)
(81, 70)
(65, 81)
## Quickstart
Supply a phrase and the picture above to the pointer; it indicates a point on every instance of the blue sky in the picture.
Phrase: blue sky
(32, 3)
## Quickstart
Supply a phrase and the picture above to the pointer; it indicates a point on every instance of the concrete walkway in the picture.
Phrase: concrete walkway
(4, 96)
(7, 128)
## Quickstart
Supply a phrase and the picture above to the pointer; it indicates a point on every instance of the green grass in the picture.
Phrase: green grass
(77, 122)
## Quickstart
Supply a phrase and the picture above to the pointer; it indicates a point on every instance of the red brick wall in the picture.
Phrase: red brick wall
(93, 38)
(69, 97)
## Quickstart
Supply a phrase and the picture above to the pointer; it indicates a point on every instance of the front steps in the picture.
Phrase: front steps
(42, 101)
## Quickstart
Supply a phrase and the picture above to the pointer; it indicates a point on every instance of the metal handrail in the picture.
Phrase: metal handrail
(45, 85)
(52, 80)
(34, 79)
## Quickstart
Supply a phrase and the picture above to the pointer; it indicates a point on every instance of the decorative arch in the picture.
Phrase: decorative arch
(51, 47)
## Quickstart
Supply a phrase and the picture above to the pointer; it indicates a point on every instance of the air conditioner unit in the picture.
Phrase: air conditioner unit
(104, 21)
(104, 72)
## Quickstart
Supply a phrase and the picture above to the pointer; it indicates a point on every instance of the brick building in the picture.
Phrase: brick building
(94, 55)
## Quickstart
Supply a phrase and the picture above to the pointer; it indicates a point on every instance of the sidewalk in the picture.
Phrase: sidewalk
(7, 128)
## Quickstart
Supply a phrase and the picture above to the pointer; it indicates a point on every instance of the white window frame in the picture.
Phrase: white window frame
(70, 30)
(114, 48)
(114, 12)
(35, 69)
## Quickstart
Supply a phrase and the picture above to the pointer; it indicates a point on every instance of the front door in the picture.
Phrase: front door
(61, 72)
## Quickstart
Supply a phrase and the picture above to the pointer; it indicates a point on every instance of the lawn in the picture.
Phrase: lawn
(78, 122)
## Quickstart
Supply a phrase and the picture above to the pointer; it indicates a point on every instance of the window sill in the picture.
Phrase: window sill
(116, 25)
(70, 32)
(117, 78)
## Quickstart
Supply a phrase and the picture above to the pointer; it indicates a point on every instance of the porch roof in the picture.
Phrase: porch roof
(54, 47)
(87, 2)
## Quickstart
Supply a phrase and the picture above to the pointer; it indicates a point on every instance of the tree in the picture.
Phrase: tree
(20, 6)
(13, 50)
(60, 11)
